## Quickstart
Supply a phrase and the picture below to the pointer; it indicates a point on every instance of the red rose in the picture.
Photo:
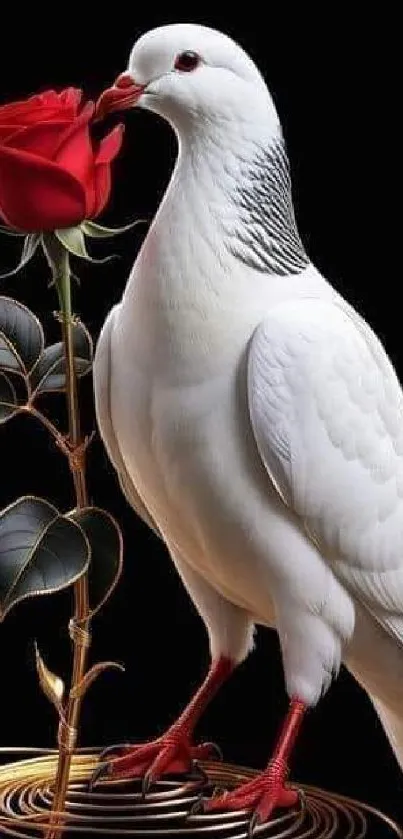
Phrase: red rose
(52, 174)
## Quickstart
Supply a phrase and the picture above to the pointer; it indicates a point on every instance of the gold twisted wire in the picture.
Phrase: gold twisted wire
(66, 736)
(116, 808)
(79, 634)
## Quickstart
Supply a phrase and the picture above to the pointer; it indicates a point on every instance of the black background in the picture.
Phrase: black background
(332, 78)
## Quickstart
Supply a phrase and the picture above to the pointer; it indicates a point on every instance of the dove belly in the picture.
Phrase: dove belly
(191, 456)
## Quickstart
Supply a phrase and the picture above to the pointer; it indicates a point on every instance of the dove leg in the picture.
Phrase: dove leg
(269, 789)
(311, 632)
(230, 631)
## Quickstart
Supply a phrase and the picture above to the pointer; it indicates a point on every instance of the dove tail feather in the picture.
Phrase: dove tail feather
(393, 726)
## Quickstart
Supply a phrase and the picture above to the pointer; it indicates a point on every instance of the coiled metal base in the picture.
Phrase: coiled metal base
(116, 808)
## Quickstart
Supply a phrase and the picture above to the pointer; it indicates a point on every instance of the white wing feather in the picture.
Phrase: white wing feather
(327, 413)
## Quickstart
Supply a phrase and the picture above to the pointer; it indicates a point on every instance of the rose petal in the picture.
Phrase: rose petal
(42, 106)
(49, 97)
(90, 194)
(36, 195)
(15, 111)
(47, 114)
(110, 146)
(102, 187)
(74, 153)
(107, 151)
(34, 115)
(71, 98)
(8, 130)
(2, 216)
(8, 111)
(41, 139)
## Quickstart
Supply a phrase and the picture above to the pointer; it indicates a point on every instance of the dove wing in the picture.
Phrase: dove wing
(327, 413)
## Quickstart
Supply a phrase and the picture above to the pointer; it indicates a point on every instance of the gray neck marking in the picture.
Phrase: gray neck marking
(266, 237)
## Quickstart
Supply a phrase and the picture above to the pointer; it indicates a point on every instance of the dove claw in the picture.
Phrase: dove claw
(254, 822)
(172, 753)
(215, 751)
(197, 808)
(100, 771)
(261, 796)
(198, 773)
(112, 750)
(146, 785)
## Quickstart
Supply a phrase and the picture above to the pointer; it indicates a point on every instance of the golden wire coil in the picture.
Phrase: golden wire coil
(116, 808)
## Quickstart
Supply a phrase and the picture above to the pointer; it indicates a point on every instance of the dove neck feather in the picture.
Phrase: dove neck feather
(266, 237)
(229, 200)
(241, 158)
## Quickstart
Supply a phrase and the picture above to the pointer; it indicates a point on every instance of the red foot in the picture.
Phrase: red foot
(171, 754)
(261, 796)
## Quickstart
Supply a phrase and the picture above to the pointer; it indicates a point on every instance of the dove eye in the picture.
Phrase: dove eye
(187, 61)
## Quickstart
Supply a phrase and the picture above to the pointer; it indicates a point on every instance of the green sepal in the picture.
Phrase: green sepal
(30, 245)
(72, 238)
(8, 231)
(98, 231)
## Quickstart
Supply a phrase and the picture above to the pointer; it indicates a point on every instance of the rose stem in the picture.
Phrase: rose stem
(79, 626)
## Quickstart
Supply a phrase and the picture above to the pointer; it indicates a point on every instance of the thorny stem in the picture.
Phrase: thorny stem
(79, 628)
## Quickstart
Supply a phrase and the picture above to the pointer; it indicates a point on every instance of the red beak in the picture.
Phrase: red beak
(123, 95)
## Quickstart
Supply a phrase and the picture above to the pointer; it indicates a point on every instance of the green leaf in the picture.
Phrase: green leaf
(49, 374)
(8, 399)
(30, 246)
(98, 231)
(73, 240)
(21, 337)
(41, 551)
(105, 538)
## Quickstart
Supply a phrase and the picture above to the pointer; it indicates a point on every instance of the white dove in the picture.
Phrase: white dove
(252, 415)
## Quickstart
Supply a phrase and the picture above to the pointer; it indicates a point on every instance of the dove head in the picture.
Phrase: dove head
(192, 76)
